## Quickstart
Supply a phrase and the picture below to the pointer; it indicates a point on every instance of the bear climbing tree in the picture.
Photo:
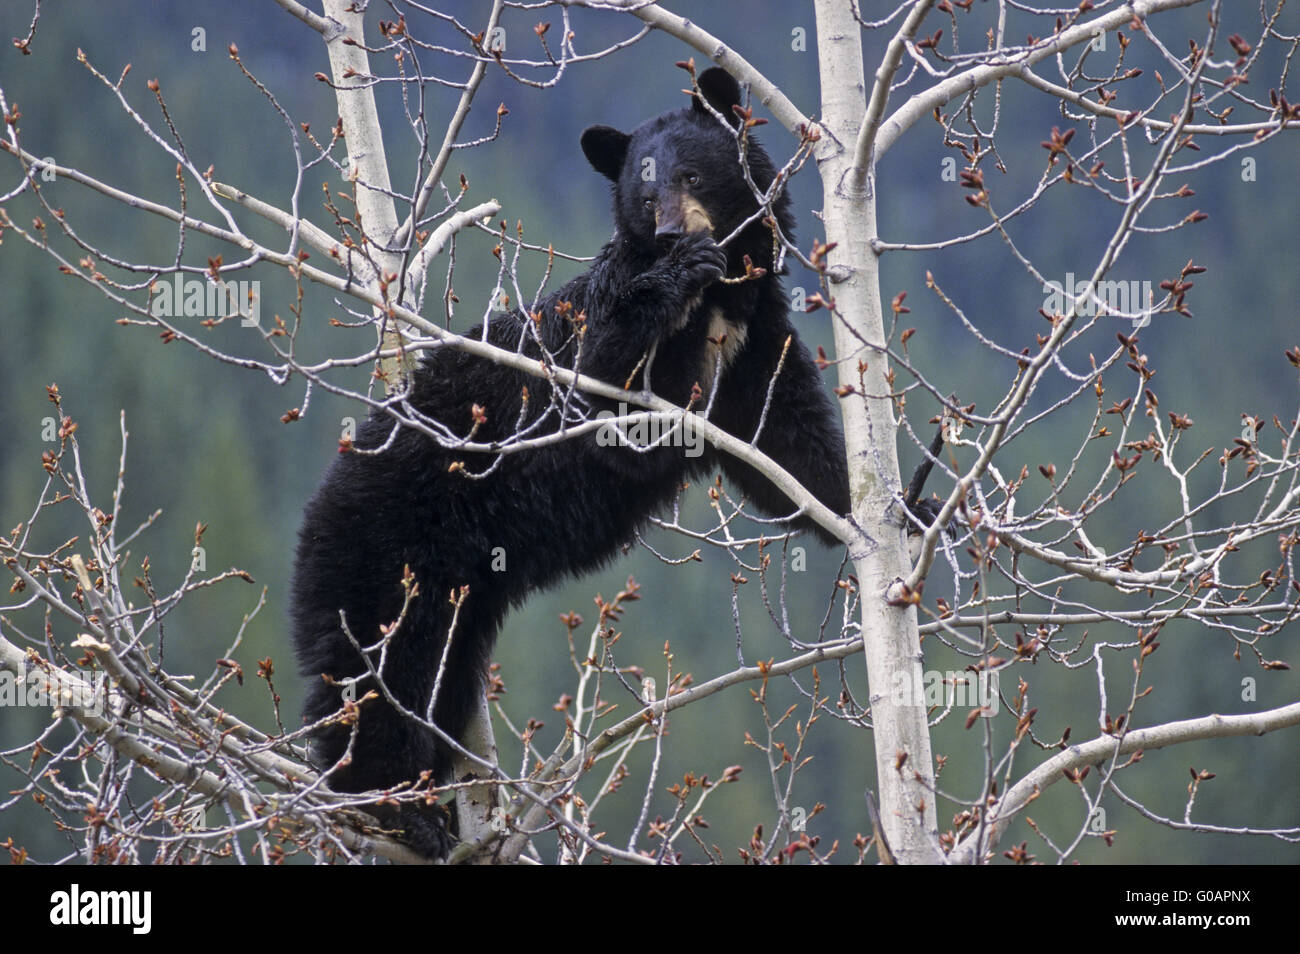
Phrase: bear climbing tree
(1105, 509)
(664, 309)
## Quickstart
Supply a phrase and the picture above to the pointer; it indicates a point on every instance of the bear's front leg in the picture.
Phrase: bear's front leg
(650, 306)
(802, 430)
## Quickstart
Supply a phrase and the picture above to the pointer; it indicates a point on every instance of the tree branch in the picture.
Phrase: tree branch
(862, 159)
(764, 90)
(925, 103)
(1107, 747)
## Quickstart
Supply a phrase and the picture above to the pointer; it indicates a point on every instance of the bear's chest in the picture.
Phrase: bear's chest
(722, 338)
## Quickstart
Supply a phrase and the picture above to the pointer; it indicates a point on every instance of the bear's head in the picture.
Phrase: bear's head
(680, 172)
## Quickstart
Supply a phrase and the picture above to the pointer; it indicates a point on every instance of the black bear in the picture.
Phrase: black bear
(652, 310)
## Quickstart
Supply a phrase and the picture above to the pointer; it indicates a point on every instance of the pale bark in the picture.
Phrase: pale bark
(475, 804)
(1106, 748)
(904, 770)
(367, 164)
(378, 215)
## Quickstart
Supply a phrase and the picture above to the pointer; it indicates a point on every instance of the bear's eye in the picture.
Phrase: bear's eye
(648, 203)
(692, 179)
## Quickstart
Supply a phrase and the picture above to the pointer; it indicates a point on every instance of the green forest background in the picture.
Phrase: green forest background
(207, 444)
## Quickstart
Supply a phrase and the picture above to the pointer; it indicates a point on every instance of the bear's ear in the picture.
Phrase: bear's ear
(721, 90)
(605, 148)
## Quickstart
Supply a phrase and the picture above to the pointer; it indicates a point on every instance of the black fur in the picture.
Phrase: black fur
(924, 511)
(564, 509)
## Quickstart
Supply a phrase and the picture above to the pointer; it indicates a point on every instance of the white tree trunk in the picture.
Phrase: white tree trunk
(350, 67)
(892, 645)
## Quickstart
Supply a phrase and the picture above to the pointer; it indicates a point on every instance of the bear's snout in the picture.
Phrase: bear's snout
(678, 215)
